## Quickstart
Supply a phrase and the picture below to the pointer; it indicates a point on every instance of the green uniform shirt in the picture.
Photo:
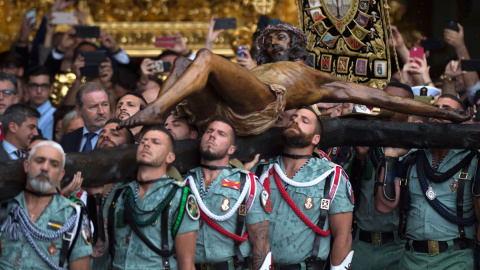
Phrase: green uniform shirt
(211, 245)
(366, 216)
(291, 240)
(130, 251)
(423, 222)
(20, 254)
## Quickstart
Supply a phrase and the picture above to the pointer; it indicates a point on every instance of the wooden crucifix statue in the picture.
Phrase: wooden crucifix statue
(252, 100)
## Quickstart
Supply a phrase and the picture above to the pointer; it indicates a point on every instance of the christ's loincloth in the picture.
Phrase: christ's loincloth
(250, 124)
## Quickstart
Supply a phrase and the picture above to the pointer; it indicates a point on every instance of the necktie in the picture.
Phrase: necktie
(18, 153)
(88, 144)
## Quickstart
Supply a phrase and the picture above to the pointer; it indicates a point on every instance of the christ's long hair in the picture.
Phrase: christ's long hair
(298, 43)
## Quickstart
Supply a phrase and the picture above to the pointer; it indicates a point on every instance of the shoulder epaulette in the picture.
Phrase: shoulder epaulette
(175, 174)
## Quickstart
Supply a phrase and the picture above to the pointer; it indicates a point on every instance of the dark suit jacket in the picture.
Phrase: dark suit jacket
(71, 141)
(4, 156)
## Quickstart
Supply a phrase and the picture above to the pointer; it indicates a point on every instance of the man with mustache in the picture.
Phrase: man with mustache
(92, 103)
(252, 100)
(128, 105)
(100, 197)
(437, 193)
(311, 200)
(110, 137)
(234, 228)
(39, 228)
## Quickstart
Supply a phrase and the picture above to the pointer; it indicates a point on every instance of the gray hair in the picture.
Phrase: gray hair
(69, 117)
(87, 88)
(5, 77)
(51, 144)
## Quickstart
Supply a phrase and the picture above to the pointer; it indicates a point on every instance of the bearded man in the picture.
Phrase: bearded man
(311, 199)
(41, 229)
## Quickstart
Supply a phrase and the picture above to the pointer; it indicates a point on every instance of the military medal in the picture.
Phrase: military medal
(431, 195)
(52, 249)
(231, 184)
(308, 203)
(225, 204)
(454, 185)
(126, 239)
(86, 235)
(266, 202)
(18, 259)
(350, 192)
(192, 208)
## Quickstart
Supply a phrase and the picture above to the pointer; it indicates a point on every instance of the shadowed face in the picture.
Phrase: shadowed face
(110, 137)
(446, 104)
(179, 128)
(6, 99)
(39, 89)
(278, 46)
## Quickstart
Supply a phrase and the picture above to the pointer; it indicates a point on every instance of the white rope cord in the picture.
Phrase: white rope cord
(289, 181)
(204, 208)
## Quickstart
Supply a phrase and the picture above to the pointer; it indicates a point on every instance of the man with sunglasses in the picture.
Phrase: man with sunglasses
(39, 87)
(8, 95)
(436, 191)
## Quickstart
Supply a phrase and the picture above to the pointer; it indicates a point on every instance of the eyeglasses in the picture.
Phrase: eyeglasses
(6, 93)
(34, 86)
(325, 110)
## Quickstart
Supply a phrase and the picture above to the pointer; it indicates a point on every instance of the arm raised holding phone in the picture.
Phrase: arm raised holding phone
(456, 40)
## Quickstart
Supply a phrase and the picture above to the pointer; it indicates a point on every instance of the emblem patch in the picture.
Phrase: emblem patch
(231, 184)
(316, 14)
(308, 203)
(326, 63)
(192, 207)
(225, 204)
(380, 68)
(325, 204)
(86, 235)
(342, 66)
(361, 67)
(52, 249)
(454, 185)
(266, 202)
(350, 192)
(310, 61)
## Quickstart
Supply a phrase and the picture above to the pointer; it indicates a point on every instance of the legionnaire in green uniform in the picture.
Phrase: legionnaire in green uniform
(234, 227)
(39, 228)
(440, 213)
(375, 241)
(311, 198)
(156, 221)
(100, 197)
